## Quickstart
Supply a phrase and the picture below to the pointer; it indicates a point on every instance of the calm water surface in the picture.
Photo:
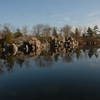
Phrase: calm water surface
(70, 76)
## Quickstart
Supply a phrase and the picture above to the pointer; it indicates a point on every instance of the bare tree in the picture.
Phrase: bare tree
(9, 26)
(84, 30)
(67, 30)
(38, 29)
(24, 30)
(46, 31)
(41, 29)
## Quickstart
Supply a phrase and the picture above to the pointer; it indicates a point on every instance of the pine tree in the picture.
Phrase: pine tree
(54, 31)
(90, 32)
(18, 33)
(9, 37)
(77, 33)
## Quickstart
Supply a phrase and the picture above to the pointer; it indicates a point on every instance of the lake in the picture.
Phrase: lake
(74, 75)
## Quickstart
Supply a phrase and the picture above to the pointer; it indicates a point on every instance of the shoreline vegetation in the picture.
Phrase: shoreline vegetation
(46, 38)
(46, 45)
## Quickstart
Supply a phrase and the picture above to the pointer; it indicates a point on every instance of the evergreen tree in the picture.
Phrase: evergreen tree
(77, 33)
(18, 33)
(54, 31)
(90, 32)
(8, 38)
(95, 29)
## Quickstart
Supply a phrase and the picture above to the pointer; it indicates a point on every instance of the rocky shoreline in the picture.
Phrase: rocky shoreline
(34, 45)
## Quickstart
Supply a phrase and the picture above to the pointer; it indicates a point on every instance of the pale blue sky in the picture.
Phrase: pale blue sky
(53, 12)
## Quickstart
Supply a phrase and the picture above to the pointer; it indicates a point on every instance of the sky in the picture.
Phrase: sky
(53, 12)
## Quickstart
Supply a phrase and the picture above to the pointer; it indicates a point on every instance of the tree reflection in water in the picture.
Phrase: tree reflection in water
(46, 58)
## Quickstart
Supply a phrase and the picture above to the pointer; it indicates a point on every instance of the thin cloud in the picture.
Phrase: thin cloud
(60, 19)
(93, 21)
(95, 13)
(93, 18)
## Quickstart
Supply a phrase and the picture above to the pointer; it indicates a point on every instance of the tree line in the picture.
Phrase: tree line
(42, 32)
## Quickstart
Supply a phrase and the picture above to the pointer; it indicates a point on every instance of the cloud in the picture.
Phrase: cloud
(94, 13)
(89, 19)
(60, 19)
(66, 20)
(63, 19)
(93, 18)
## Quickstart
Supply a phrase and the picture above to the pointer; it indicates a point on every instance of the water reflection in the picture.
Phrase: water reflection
(71, 74)
(46, 58)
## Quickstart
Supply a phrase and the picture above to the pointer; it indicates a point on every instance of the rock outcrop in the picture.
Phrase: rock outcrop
(29, 45)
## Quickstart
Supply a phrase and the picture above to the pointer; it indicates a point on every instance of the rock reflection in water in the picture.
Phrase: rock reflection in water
(46, 58)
